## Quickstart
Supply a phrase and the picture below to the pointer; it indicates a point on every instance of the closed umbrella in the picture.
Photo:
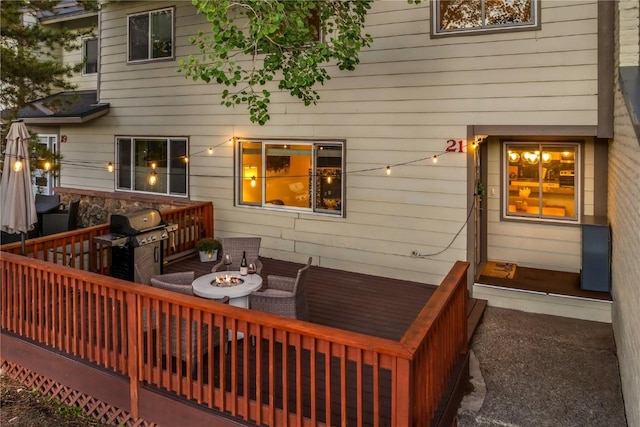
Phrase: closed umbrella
(17, 203)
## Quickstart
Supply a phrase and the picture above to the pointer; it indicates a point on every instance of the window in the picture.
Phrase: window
(90, 56)
(151, 35)
(542, 181)
(456, 16)
(292, 175)
(152, 165)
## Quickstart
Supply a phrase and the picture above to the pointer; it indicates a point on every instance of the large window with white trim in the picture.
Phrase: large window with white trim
(291, 175)
(542, 181)
(150, 35)
(463, 16)
(152, 165)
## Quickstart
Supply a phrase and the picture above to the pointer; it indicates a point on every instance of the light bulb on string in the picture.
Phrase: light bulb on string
(186, 159)
(17, 165)
(388, 170)
(329, 179)
(47, 165)
(153, 178)
(210, 150)
(435, 159)
(110, 167)
(253, 181)
(153, 165)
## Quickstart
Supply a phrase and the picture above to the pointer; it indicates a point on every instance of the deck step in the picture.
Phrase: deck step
(544, 303)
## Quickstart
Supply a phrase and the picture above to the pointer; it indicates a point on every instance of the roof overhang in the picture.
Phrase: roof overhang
(64, 108)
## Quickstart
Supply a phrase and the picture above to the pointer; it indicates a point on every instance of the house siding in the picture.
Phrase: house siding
(409, 95)
(624, 213)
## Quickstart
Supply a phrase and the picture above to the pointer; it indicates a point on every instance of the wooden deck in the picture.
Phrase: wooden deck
(371, 305)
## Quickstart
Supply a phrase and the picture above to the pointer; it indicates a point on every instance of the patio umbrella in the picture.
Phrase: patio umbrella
(17, 203)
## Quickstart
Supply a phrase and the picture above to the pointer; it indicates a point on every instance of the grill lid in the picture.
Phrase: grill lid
(136, 222)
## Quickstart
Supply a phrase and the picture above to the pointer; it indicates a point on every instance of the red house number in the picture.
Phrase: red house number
(454, 146)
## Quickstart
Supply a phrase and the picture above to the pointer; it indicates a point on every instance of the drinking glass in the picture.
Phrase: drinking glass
(227, 261)
(251, 270)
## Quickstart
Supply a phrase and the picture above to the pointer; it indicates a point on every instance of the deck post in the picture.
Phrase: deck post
(133, 360)
(401, 401)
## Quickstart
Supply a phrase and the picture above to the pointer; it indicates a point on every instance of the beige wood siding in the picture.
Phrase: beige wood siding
(409, 95)
(624, 215)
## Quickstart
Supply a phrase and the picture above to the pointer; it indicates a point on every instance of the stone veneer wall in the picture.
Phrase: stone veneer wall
(97, 206)
(624, 216)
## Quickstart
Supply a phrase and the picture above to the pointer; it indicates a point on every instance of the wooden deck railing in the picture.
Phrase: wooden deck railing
(78, 249)
(282, 372)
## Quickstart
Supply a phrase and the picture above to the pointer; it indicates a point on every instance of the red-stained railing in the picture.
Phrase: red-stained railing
(255, 366)
(78, 249)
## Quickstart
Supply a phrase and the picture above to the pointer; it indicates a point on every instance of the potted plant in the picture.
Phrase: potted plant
(208, 249)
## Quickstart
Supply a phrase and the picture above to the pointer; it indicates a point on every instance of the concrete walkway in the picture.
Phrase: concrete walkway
(539, 370)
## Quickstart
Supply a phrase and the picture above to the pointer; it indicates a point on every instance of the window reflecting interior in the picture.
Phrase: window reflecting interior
(542, 180)
(153, 165)
(294, 174)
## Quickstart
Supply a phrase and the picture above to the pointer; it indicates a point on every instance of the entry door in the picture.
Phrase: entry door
(43, 181)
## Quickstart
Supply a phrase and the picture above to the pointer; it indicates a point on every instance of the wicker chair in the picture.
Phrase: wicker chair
(181, 283)
(234, 246)
(285, 296)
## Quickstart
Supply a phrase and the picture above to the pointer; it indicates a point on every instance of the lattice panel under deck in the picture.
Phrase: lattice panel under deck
(94, 408)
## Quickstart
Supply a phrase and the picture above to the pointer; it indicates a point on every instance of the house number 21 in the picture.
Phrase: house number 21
(454, 146)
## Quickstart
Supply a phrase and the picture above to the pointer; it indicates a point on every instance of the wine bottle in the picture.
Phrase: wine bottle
(243, 264)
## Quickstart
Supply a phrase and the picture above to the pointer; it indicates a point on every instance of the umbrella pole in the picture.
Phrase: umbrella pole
(24, 247)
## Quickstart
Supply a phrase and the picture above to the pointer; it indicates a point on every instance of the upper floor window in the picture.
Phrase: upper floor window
(150, 35)
(292, 175)
(90, 55)
(455, 16)
(152, 165)
(541, 181)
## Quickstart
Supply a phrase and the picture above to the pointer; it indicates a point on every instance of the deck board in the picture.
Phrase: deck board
(371, 305)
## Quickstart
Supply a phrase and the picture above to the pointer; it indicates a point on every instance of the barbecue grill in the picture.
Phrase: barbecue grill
(136, 242)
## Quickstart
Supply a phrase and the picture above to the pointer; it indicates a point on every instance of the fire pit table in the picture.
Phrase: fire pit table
(227, 283)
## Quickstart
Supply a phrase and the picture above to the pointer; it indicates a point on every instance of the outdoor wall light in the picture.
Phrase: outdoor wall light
(110, 167)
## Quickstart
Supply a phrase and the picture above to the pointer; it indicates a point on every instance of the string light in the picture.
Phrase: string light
(253, 181)
(232, 140)
(329, 180)
(435, 159)
(153, 178)
(47, 165)
(153, 165)
(17, 165)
